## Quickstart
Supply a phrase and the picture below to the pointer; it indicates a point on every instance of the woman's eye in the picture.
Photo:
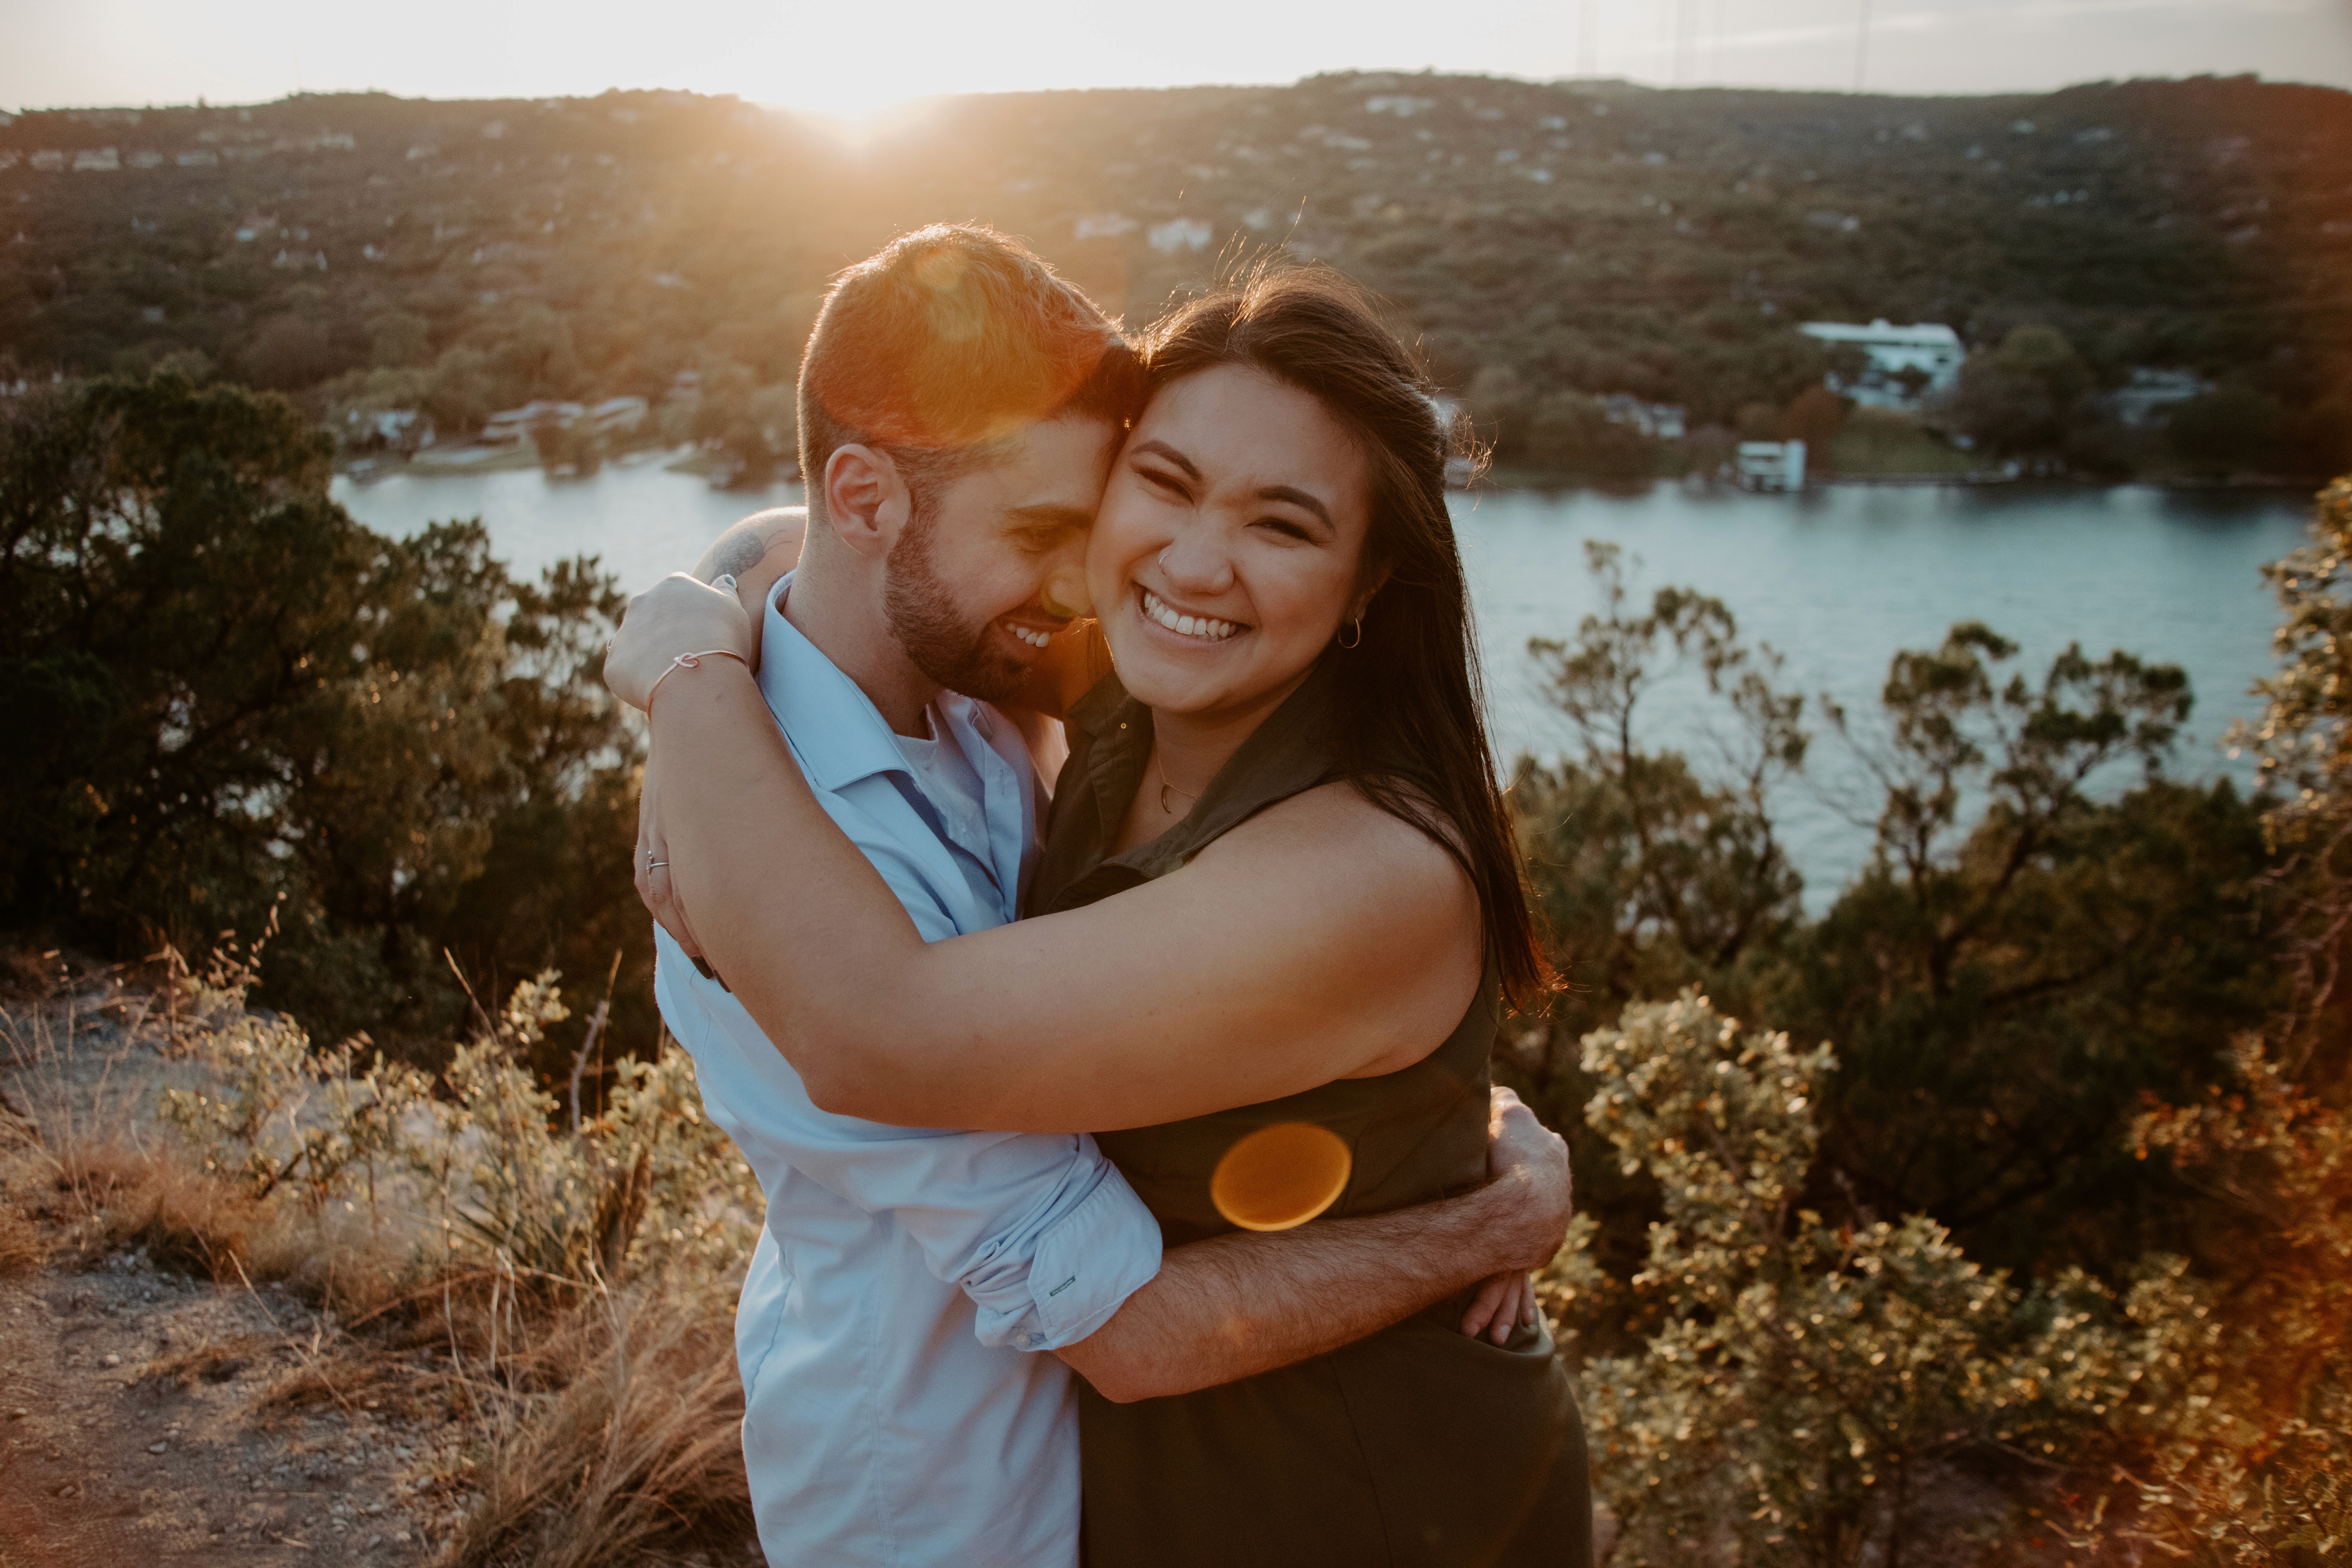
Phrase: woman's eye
(1166, 483)
(1285, 527)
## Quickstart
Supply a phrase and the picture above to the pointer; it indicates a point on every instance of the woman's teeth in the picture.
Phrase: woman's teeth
(1034, 639)
(1201, 626)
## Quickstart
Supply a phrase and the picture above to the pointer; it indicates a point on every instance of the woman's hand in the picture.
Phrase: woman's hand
(675, 616)
(654, 888)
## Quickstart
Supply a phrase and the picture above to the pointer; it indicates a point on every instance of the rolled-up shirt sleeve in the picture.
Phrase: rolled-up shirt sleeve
(1060, 1274)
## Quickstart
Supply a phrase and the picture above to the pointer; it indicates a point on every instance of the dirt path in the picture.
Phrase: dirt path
(130, 1434)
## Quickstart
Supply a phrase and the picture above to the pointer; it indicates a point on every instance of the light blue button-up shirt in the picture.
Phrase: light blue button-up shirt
(890, 1417)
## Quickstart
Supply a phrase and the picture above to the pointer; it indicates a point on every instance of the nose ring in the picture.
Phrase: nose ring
(1163, 558)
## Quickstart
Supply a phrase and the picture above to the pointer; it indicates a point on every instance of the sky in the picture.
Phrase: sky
(853, 59)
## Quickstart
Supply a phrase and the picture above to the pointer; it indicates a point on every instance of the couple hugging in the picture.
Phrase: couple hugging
(1042, 1082)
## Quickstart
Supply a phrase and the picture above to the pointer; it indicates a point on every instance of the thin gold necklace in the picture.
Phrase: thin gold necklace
(1161, 764)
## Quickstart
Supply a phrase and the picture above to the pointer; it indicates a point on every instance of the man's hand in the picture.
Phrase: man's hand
(1504, 1303)
(1535, 1192)
(1538, 1202)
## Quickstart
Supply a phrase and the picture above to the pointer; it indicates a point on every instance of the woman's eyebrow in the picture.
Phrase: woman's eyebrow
(1162, 449)
(1296, 498)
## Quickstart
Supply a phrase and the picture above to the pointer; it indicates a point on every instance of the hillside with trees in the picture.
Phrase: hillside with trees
(1550, 245)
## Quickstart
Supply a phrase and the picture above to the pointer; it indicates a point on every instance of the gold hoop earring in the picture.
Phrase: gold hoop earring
(1358, 625)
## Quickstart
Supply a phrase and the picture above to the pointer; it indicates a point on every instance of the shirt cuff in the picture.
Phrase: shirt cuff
(1085, 1268)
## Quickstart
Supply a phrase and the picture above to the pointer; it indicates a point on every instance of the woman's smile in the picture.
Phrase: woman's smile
(1187, 624)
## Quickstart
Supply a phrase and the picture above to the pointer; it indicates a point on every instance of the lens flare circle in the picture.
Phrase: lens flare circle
(1281, 1176)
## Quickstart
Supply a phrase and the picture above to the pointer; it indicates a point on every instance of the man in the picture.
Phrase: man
(960, 409)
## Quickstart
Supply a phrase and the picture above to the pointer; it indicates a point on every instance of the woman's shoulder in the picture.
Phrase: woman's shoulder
(1341, 820)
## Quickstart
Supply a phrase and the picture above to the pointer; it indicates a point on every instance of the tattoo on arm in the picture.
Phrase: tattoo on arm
(747, 543)
(738, 555)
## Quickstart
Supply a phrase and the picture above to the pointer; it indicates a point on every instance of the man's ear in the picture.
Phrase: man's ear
(866, 499)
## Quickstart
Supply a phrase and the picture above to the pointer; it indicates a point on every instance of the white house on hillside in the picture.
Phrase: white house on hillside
(1772, 465)
(1928, 349)
(617, 415)
(2151, 393)
(1661, 420)
(512, 425)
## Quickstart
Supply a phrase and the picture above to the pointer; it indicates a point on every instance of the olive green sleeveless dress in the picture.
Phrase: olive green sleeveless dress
(1416, 1447)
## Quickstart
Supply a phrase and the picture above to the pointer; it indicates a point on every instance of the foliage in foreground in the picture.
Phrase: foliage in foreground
(1818, 1389)
(1809, 1375)
(2302, 746)
(2255, 1465)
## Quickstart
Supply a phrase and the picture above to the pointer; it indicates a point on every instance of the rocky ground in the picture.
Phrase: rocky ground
(136, 1426)
(148, 1416)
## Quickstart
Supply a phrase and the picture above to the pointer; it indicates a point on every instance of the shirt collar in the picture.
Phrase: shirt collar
(839, 734)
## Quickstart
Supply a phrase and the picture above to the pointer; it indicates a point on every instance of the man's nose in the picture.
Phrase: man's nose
(1065, 590)
(1064, 594)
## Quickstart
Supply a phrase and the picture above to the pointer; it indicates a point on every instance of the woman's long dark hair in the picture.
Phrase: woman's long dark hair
(1413, 724)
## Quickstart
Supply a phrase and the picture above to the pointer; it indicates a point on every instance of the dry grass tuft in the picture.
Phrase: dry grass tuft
(350, 1375)
(104, 1194)
(334, 1256)
(26, 972)
(636, 1457)
(23, 1246)
(215, 1361)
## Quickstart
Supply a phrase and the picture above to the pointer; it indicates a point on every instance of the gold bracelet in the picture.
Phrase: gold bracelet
(689, 661)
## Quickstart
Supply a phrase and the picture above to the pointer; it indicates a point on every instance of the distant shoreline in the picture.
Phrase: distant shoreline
(683, 460)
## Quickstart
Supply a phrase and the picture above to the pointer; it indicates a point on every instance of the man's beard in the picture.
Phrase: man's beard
(928, 623)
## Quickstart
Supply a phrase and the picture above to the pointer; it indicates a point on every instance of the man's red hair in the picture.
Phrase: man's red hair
(950, 339)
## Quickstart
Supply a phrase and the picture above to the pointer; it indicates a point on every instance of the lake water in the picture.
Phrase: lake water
(1837, 579)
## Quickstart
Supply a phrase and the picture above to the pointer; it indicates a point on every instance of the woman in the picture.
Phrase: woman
(1279, 888)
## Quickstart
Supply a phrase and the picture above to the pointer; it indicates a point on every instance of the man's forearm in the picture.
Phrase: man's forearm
(1235, 1306)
